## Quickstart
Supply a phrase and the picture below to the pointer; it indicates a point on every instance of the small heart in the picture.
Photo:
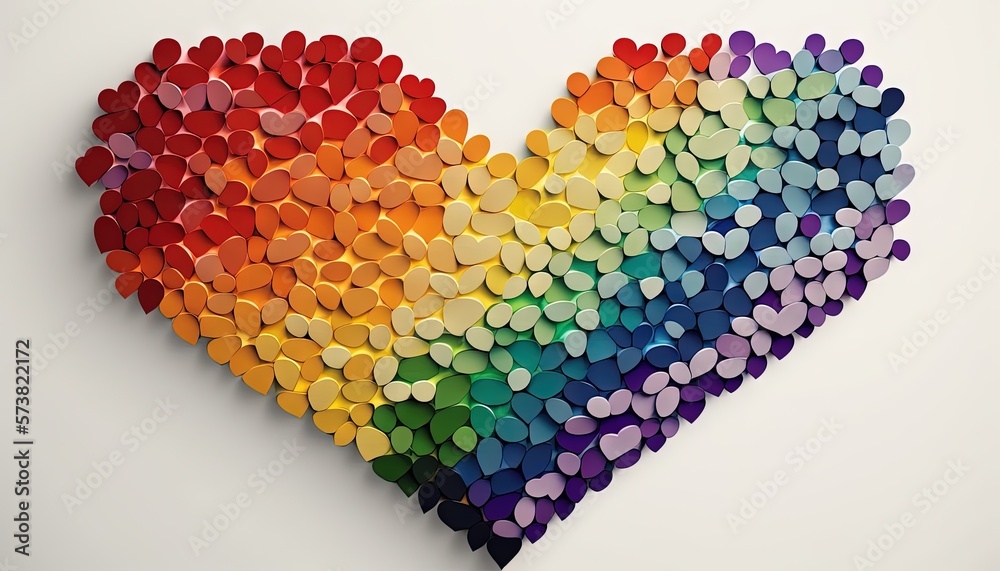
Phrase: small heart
(714, 95)
(711, 43)
(166, 53)
(122, 99)
(206, 54)
(550, 485)
(469, 251)
(716, 146)
(410, 162)
(285, 249)
(626, 50)
(784, 322)
(672, 44)
(417, 88)
(389, 68)
(236, 51)
(429, 109)
(279, 125)
(615, 445)
(94, 163)
(768, 60)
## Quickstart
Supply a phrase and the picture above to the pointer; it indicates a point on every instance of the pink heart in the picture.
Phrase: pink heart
(550, 484)
(615, 445)
(783, 323)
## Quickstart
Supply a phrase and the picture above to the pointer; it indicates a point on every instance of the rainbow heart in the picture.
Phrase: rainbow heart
(497, 335)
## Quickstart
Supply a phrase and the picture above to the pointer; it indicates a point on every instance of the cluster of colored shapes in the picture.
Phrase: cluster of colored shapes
(493, 334)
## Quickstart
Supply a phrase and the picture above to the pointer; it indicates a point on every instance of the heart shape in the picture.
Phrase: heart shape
(122, 99)
(207, 53)
(494, 335)
(636, 57)
(429, 109)
(768, 60)
(616, 445)
(711, 44)
(94, 163)
(783, 322)
(281, 124)
(550, 485)
(416, 88)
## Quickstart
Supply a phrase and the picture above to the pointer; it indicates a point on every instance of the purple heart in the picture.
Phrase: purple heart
(615, 445)
(551, 485)
(768, 60)
(783, 323)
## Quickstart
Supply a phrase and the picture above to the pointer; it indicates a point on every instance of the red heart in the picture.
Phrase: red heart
(122, 99)
(94, 163)
(429, 110)
(271, 57)
(626, 51)
(711, 43)
(150, 295)
(389, 68)
(166, 52)
(672, 44)
(236, 51)
(147, 76)
(254, 43)
(207, 53)
(417, 88)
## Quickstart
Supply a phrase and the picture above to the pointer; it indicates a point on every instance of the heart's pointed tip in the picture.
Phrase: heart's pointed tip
(503, 549)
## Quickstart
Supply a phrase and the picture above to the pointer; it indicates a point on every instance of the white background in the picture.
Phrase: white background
(327, 511)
